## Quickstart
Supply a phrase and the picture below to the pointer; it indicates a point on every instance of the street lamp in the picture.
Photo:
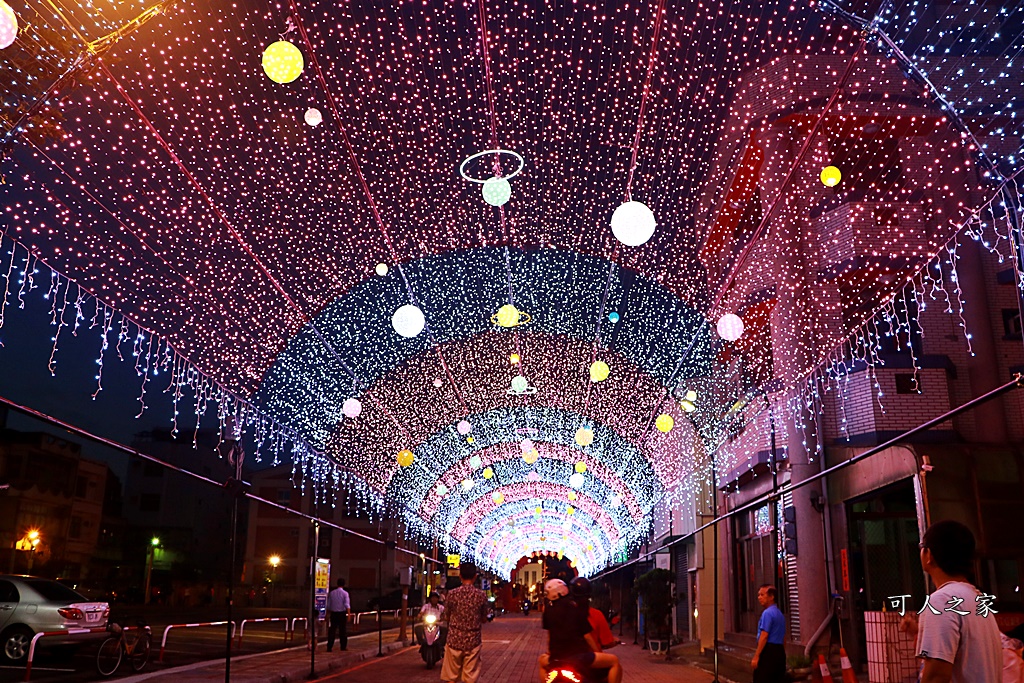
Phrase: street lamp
(150, 554)
(29, 544)
(275, 561)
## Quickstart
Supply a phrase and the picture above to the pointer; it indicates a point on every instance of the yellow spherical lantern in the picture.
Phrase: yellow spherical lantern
(498, 497)
(664, 423)
(584, 436)
(830, 176)
(537, 510)
(405, 457)
(514, 358)
(282, 62)
(531, 456)
(572, 495)
(570, 510)
(598, 371)
(580, 467)
(488, 473)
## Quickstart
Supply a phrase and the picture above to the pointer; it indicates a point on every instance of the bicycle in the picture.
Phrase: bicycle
(120, 644)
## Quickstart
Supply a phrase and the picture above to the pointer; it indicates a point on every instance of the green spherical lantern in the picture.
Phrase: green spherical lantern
(496, 191)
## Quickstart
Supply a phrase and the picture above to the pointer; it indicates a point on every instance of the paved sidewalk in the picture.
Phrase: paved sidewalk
(281, 666)
(512, 644)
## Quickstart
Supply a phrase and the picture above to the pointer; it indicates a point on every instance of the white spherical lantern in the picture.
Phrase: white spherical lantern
(8, 25)
(351, 407)
(381, 269)
(408, 321)
(313, 117)
(633, 224)
(464, 427)
(730, 327)
(576, 480)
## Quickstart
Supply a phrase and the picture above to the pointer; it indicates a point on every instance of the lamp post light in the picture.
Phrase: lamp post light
(274, 561)
(150, 554)
(33, 542)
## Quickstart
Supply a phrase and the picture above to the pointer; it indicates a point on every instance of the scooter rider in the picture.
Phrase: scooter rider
(570, 637)
(433, 607)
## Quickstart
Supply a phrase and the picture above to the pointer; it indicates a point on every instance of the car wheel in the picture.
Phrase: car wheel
(16, 641)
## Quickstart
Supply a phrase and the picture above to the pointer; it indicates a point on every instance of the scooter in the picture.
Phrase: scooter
(431, 639)
(526, 607)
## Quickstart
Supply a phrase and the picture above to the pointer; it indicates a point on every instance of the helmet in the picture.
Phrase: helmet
(580, 587)
(555, 588)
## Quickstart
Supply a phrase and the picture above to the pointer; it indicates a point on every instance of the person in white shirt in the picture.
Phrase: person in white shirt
(433, 607)
(958, 637)
(338, 605)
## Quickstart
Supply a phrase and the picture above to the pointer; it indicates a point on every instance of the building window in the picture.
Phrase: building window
(907, 383)
(75, 527)
(1011, 323)
(149, 502)
(81, 487)
(284, 496)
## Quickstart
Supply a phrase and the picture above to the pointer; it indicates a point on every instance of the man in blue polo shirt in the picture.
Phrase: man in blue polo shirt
(769, 662)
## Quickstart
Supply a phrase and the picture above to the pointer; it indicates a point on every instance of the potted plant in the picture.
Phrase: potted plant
(654, 589)
(799, 667)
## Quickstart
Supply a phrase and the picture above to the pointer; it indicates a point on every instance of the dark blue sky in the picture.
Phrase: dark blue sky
(24, 378)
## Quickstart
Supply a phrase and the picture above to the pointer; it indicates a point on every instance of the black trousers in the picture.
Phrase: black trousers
(771, 665)
(337, 625)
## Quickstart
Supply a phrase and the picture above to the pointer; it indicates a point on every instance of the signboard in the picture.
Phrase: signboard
(453, 565)
(663, 561)
(322, 585)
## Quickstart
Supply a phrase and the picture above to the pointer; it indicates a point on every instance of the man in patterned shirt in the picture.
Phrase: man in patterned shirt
(465, 611)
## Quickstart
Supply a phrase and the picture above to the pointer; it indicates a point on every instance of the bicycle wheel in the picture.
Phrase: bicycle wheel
(109, 656)
(140, 652)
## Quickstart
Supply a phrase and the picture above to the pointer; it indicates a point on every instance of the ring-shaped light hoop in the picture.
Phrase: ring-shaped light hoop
(518, 157)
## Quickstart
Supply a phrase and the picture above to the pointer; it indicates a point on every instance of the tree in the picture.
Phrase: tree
(655, 592)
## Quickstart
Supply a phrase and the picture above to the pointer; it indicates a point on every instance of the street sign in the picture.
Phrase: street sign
(453, 561)
(322, 586)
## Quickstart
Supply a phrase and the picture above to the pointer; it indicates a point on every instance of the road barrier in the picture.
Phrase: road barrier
(241, 627)
(43, 634)
(291, 631)
(163, 642)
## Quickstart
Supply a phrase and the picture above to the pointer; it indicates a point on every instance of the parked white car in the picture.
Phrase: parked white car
(30, 605)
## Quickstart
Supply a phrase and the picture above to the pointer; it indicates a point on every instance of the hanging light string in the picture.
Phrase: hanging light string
(634, 154)
(357, 169)
(306, 321)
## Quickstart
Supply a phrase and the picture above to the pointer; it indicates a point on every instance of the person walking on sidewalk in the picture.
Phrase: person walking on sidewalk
(465, 610)
(338, 605)
(769, 662)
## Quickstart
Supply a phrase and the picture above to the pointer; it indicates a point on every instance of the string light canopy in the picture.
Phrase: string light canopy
(330, 275)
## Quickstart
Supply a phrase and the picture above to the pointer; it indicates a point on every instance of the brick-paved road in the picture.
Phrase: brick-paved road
(511, 647)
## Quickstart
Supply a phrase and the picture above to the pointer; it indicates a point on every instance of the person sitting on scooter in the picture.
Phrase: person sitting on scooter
(580, 590)
(570, 638)
(433, 607)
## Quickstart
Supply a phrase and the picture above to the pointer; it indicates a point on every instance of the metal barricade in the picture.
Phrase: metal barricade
(241, 627)
(163, 642)
(43, 634)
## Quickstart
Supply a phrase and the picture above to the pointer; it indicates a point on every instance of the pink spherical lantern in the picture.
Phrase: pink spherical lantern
(730, 327)
(464, 427)
(526, 445)
(533, 476)
(351, 407)
(8, 25)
